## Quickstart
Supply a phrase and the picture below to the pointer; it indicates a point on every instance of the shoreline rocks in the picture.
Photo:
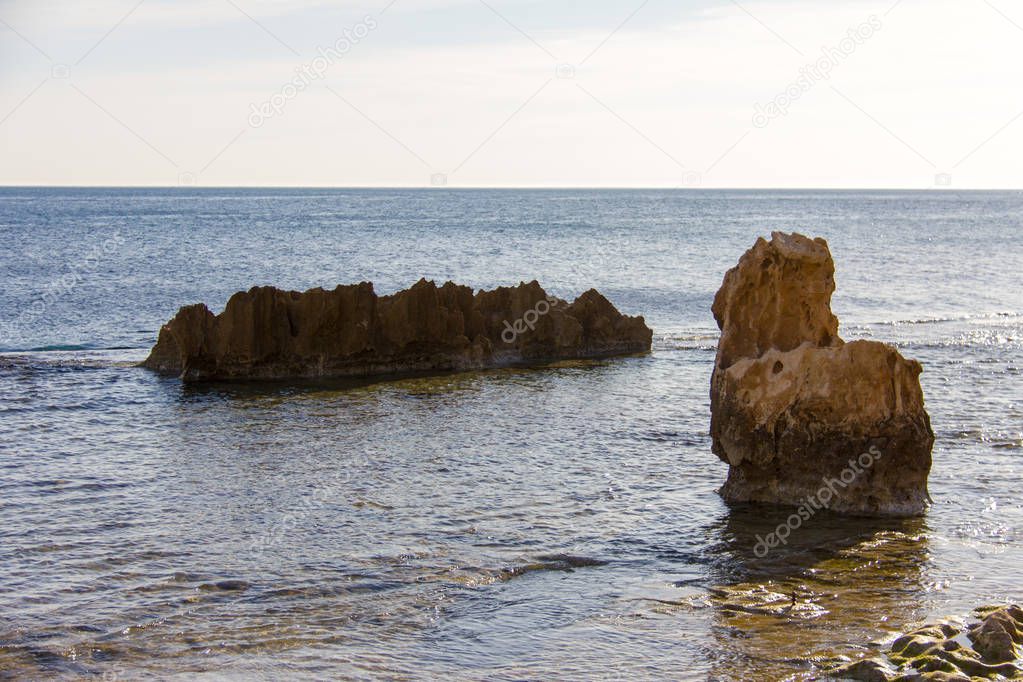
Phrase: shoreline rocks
(948, 652)
(268, 333)
(801, 417)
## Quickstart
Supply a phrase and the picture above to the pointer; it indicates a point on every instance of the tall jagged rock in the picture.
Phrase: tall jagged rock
(267, 333)
(795, 410)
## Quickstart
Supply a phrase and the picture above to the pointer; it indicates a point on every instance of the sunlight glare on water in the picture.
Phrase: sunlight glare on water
(546, 523)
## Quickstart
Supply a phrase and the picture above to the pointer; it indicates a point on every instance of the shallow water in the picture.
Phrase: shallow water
(549, 523)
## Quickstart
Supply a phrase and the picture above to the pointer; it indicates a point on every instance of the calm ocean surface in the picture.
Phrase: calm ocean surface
(556, 523)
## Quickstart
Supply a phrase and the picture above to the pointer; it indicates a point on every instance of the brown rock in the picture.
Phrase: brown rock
(997, 636)
(801, 416)
(864, 670)
(941, 653)
(267, 333)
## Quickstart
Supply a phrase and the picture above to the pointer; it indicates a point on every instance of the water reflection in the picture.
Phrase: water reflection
(837, 585)
(423, 384)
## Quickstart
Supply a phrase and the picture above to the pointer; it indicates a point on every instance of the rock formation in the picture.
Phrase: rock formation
(801, 417)
(948, 652)
(267, 333)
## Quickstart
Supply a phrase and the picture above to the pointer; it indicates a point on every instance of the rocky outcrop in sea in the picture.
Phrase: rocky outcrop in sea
(948, 651)
(800, 416)
(268, 333)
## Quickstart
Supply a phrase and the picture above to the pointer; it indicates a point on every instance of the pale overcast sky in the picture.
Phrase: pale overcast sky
(621, 93)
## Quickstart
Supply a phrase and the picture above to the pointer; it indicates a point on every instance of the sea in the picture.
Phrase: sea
(553, 523)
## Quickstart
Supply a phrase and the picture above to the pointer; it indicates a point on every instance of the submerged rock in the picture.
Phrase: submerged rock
(948, 651)
(267, 333)
(801, 417)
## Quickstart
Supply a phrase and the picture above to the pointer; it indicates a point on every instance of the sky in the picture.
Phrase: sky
(918, 94)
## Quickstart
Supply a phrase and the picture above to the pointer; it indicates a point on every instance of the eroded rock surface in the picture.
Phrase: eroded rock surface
(267, 333)
(795, 410)
(948, 651)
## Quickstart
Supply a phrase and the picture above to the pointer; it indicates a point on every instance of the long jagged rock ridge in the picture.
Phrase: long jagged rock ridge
(268, 333)
(801, 417)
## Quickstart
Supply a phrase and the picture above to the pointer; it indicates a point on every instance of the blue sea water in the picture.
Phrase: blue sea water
(514, 524)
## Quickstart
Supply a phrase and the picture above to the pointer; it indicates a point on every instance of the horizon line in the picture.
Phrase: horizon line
(533, 187)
